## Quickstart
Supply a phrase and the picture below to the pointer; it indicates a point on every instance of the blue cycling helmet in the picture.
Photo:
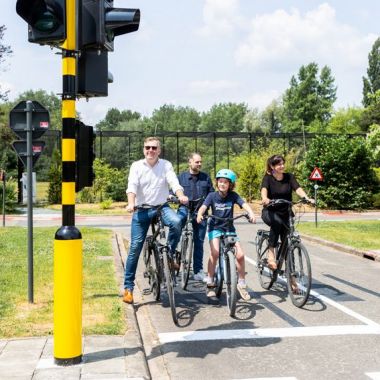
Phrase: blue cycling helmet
(226, 173)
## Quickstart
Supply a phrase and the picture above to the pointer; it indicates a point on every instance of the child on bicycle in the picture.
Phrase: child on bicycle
(222, 205)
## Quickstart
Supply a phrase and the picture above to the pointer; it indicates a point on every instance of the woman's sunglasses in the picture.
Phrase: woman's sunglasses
(147, 147)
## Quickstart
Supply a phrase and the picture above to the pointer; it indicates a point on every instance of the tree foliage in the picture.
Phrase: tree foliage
(346, 120)
(371, 83)
(224, 117)
(308, 102)
(346, 164)
(5, 50)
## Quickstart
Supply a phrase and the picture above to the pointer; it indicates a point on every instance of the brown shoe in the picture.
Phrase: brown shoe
(128, 296)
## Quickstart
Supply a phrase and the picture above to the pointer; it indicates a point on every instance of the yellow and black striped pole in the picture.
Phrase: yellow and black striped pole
(68, 239)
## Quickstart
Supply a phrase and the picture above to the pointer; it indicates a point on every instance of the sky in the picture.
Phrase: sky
(198, 53)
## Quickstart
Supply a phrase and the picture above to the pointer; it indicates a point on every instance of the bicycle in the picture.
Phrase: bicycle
(225, 271)
(291, 252)
(186, 242)
(159, 265)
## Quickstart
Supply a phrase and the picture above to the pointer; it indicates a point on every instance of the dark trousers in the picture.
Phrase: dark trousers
(278, 223)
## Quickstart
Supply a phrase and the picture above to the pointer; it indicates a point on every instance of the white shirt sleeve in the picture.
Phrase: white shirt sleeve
(172, 178)
(133, 179)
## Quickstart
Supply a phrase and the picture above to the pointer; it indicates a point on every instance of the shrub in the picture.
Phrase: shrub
(10, 195)
(55, 179)
(346, 164)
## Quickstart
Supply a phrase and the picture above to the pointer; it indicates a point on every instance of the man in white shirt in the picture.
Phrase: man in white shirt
(149, 182)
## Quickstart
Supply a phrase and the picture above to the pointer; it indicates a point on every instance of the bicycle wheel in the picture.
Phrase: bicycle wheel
(266, 277)
(219, 277)
(298, 274)
(146, 251)
(169, 279)
(186, 258)
(231, 283)
(155, 276)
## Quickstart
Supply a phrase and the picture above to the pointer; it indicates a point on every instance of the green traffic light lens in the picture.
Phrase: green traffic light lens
(47, 23)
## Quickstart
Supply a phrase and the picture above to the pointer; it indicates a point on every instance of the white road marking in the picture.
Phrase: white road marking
(329, 301)
(373, 375)
(189, 336)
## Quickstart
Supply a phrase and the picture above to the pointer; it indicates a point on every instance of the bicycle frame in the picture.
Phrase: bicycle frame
(293, 253)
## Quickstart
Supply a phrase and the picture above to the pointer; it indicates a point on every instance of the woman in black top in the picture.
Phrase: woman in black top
(277, 184)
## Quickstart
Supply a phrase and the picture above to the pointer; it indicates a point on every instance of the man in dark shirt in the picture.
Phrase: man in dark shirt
(196, 184)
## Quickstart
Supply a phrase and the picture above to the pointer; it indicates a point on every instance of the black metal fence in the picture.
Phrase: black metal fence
(121, 148)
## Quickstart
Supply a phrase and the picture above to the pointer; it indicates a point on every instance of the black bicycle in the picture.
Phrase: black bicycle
(186, 242)
(159, 264)
(225, 271)
(291, 252)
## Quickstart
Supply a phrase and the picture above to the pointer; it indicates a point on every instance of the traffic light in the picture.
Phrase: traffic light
(100, 23)
(85, 155)
(46, 20)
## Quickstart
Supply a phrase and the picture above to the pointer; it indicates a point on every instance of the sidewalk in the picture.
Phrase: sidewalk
(104, 357)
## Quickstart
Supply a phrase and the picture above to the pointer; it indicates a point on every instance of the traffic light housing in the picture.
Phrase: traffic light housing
(100, 23)
(46, 20)
(92, 74)
(85, 155)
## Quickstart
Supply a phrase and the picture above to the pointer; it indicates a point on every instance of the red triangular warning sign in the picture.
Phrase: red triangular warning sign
(316, 175)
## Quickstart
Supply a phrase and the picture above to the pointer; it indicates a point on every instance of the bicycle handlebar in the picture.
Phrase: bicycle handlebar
(245, 215)
(273, 202)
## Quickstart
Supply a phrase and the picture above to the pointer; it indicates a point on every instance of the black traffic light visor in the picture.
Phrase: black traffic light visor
(44, 15)
(122, 20)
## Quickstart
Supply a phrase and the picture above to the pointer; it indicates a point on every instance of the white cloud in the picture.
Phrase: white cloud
(209, 86)
(219, 17)
(262, 99)
(285, 38)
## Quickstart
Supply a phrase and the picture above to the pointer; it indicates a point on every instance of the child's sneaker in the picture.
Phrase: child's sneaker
(243, 292)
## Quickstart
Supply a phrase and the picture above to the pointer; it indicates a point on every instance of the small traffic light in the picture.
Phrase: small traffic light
(100, 23)
(46, 20)
(85, 155)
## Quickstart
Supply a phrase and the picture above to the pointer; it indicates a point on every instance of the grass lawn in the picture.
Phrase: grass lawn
(42, 191)
(102, 311)
(364, 235)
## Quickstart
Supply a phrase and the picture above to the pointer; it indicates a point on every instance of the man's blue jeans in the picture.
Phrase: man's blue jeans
(140, 224)
(199, 233)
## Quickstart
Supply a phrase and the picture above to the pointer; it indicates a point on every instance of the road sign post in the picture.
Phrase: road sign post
(316, 175)
(29, 120)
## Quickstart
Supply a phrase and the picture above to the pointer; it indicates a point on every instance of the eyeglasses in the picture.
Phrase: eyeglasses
(147, 147)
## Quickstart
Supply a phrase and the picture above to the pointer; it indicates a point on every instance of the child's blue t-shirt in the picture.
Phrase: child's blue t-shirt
(222, 208)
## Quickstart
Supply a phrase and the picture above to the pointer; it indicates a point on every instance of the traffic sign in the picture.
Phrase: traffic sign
(21, 149)
(316, 175)
(40, 120)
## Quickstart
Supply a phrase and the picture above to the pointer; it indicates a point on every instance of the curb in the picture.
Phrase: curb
(136, 362)
(370, 255)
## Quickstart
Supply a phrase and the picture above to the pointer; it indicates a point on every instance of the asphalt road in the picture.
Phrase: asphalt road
(335, 336)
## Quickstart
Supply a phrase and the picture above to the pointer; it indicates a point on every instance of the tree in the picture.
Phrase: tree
(114, 118)
(371, 83)
(224, 117)
(308, 102)
(5, 50)
(371, 114)
(346, 120)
